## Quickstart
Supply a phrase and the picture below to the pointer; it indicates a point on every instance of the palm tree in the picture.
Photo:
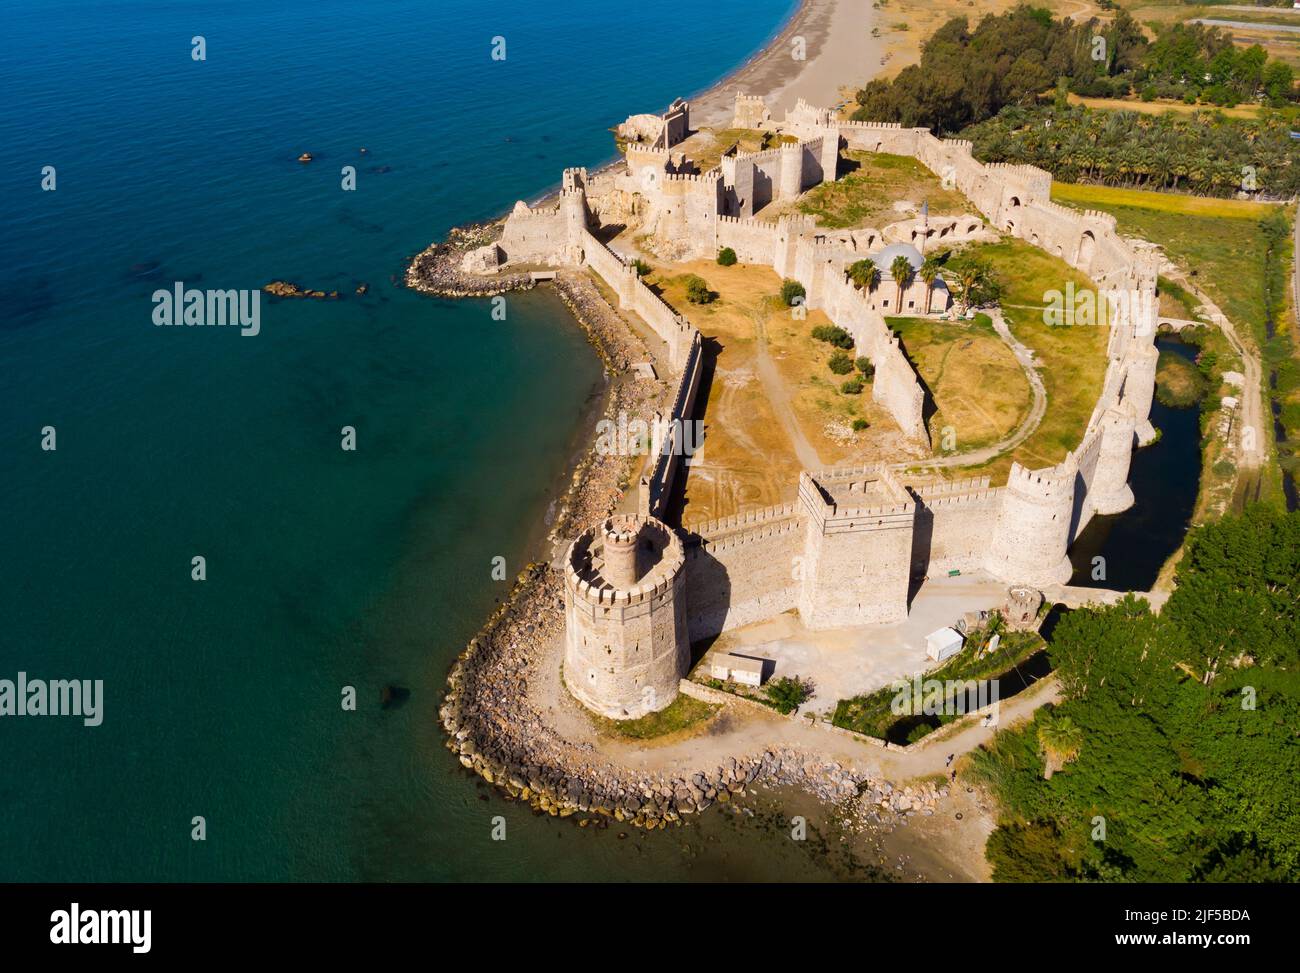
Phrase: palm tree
(929, 272)
(900, 270)
(1059, 741)
(864, 274)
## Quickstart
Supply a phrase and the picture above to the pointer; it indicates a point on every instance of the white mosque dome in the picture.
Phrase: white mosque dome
(885, 258)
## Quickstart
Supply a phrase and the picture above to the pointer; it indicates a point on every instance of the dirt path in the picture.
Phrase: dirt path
(1250, 451)
(775, 390)
(1026, 428)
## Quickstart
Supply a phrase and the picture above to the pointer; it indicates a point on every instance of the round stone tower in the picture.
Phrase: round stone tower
(1109, 492)
(1033, 528)
(626, 641)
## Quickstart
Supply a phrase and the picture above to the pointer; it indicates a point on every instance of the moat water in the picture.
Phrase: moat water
(325, 569)
(1165, 476)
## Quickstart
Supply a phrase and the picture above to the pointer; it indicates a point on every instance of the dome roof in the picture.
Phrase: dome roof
(885, 258)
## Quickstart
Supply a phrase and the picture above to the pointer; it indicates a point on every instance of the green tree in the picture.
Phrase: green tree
(792, 292)
(697, 290)
(1059, 741)
(929, 273)
(864, 274)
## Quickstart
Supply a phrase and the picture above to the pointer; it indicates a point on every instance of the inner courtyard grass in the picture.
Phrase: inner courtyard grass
(978, 387)
(1072, 357)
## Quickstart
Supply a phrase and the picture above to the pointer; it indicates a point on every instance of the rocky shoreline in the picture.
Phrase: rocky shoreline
(437, 269)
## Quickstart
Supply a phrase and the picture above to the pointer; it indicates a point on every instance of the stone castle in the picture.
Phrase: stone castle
(638, 591)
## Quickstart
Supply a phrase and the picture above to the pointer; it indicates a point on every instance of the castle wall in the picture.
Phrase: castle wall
(534, 236)
(954, 526)
(753, 240)
(657, 488)
(854, 559)
(742, 570)
(676, 332)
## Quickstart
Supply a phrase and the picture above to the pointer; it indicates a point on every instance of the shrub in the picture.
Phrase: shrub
(792, 292)
(853, 386)
(726, 257)
(642, 268)
(865, 367)
(840, 363)
(860, 424)
(788, 693)
(833, 335)
(697, 290)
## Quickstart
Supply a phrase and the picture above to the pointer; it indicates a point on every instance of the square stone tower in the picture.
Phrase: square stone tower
(857, 547)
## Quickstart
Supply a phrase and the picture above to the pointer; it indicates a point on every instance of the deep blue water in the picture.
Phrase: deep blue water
(325, 568)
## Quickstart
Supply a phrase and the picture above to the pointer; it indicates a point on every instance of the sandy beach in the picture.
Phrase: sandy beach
(840, 56)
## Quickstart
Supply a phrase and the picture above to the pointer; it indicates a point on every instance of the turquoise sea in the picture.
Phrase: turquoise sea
(325, 568)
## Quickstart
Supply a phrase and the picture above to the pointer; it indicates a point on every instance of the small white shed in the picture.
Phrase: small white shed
(737, 668)
(943, 644)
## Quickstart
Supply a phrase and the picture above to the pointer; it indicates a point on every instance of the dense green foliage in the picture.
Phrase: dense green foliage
(788, 693)
(1182, 749)
(726, 257)
(792, 292)
(697, 290)
(1201, 152)
(967, 75)
(853, 386)
(833, 335)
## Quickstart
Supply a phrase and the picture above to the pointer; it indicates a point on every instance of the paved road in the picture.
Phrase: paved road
(1247, 25)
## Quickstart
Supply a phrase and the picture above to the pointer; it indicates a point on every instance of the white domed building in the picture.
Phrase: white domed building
(916, 298)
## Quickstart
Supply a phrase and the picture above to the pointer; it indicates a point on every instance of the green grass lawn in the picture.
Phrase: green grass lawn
(681, 714)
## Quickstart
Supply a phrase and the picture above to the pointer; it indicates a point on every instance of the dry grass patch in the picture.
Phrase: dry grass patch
(866, 195)
(979, 388)
(763, 399)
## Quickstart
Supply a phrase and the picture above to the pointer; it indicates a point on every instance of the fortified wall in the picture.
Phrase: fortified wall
(845, 552)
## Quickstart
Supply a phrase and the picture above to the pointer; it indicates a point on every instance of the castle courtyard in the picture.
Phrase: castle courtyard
(847, 662)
